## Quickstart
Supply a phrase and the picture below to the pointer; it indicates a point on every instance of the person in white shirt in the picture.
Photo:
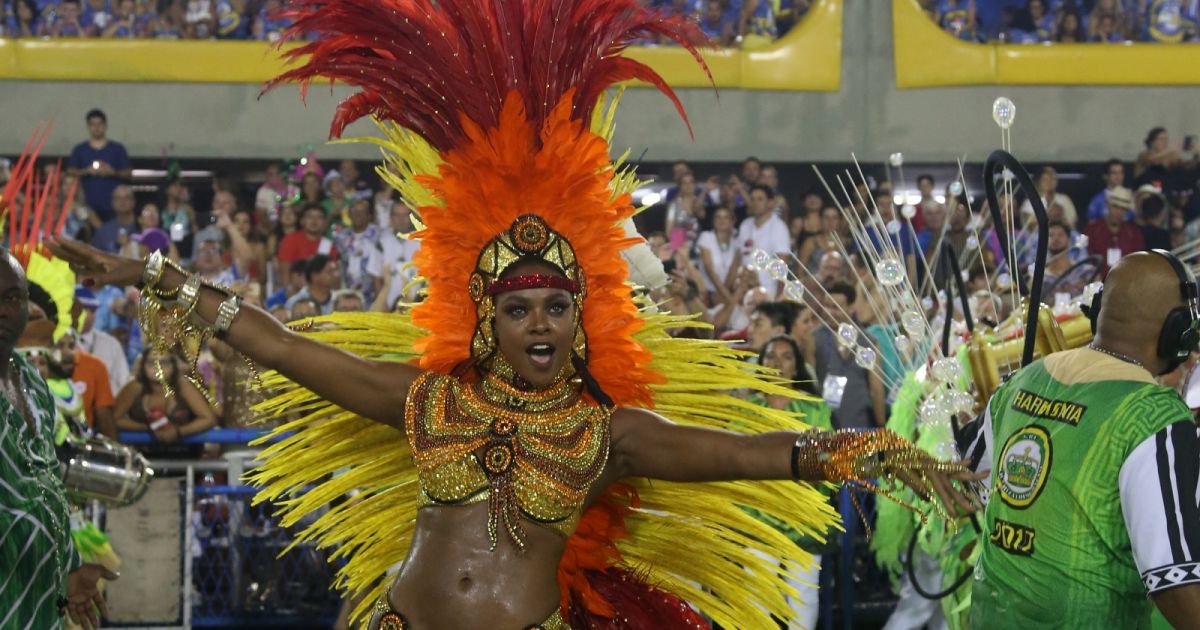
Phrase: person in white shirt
(98, 342)
(396, 252)
(720, 255)
(1047, 185)
(764, 230)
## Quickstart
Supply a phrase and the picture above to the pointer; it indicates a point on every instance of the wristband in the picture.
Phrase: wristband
(157, 425)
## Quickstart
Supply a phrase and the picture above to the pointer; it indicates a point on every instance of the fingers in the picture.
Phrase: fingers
(109, 575)
(99, 602)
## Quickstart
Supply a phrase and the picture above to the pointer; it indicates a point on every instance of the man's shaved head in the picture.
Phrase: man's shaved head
(1139, 292)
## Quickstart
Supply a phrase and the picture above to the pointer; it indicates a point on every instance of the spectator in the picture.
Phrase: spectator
(311, 189)
(270, 25)
(1157, 161)
(751, 171)
(348, 301)
(855, 394)
(178, 216)
(930, 236)
(113, 234)
(681, 297)
(770, 179)
(1153, 216)
(832, 269)
(1058, 246)
(1070, 29)
(23, 21)
(95, 17)
(97, 342)
(1047, 185)
(1038, 21)
(355, 184)
(766, 231)
(231, 19)
(361, 252)
(1114, 177)
(321, 279)
(293, 283)
(731, 317)
(68, 21)
(1108, 22)
(767, 320)
(1169, 21)
(925, 187)
(123, 24)
(170, 22)
(89, 378)
(308, 240)
(101, 163)
(396, 252)
(804, 324)
(685, 212)
(718, 23)
(337, 199)
(720, 257)
(143, 404)
(957, 17)
(270, 196)
(149, 241)
(1114, 237)
(304, 308)
(805, 229)
(289, 221)
(243, 224)
(889, 234)
(756, 24)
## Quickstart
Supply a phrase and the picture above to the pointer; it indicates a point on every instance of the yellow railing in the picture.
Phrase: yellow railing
(809, 58)
(927, 56)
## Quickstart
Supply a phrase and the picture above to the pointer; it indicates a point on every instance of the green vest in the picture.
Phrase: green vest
(1055, 549)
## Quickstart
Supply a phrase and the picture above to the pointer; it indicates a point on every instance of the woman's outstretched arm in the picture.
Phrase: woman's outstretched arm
(372, 389)
(645, 444)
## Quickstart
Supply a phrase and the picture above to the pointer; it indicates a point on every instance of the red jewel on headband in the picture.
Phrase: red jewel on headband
(532, 281)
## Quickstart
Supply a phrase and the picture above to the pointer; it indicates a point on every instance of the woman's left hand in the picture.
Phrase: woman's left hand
(929, 478)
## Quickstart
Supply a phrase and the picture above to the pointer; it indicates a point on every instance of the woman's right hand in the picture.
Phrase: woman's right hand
(101, 267)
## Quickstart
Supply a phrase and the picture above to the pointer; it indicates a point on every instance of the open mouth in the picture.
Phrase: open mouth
(540, 354)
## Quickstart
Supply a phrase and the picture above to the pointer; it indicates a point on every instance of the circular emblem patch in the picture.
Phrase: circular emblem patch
(1024, 466)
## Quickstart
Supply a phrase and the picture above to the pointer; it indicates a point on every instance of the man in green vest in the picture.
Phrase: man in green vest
(1094, 471)
(41, 573)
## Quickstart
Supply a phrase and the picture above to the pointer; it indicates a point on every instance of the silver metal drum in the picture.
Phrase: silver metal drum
(106, 471)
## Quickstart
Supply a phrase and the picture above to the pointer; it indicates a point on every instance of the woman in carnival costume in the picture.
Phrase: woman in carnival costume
(512, 443)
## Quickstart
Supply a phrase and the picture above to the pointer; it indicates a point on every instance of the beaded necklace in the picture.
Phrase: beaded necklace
(535, 452)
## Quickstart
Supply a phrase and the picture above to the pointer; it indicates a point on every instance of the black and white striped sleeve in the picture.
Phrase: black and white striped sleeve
(1160, 495)
(975, 441)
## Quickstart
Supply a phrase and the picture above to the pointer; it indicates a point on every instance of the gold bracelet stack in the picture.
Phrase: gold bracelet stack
(863, 459)
(171, 323)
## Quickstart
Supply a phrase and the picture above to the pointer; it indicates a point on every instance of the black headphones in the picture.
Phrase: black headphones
(1179, 335)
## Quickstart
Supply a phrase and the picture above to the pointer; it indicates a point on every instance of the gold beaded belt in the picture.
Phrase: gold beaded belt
(385, 618)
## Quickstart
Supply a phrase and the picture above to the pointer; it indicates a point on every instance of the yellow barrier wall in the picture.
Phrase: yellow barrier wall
(809, 58)
(927, 56)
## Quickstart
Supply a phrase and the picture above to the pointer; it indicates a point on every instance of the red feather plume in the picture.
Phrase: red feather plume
(427, 66)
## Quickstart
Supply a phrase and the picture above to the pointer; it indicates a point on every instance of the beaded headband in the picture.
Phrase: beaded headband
(528, 239)
(532, 281)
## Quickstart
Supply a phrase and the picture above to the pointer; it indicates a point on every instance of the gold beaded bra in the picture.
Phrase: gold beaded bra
(528, 453)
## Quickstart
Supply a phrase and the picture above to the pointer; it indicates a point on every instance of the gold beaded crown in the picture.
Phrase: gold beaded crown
(528, 239)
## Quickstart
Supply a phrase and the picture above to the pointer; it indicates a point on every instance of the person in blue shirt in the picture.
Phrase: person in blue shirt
(719, 22)
(102, 165)
(1039, 21)
(21, 19)
(957, 17)
(1171, 21)
(123, 21)
(68, 20)
(231, 20)
(1114, 177)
